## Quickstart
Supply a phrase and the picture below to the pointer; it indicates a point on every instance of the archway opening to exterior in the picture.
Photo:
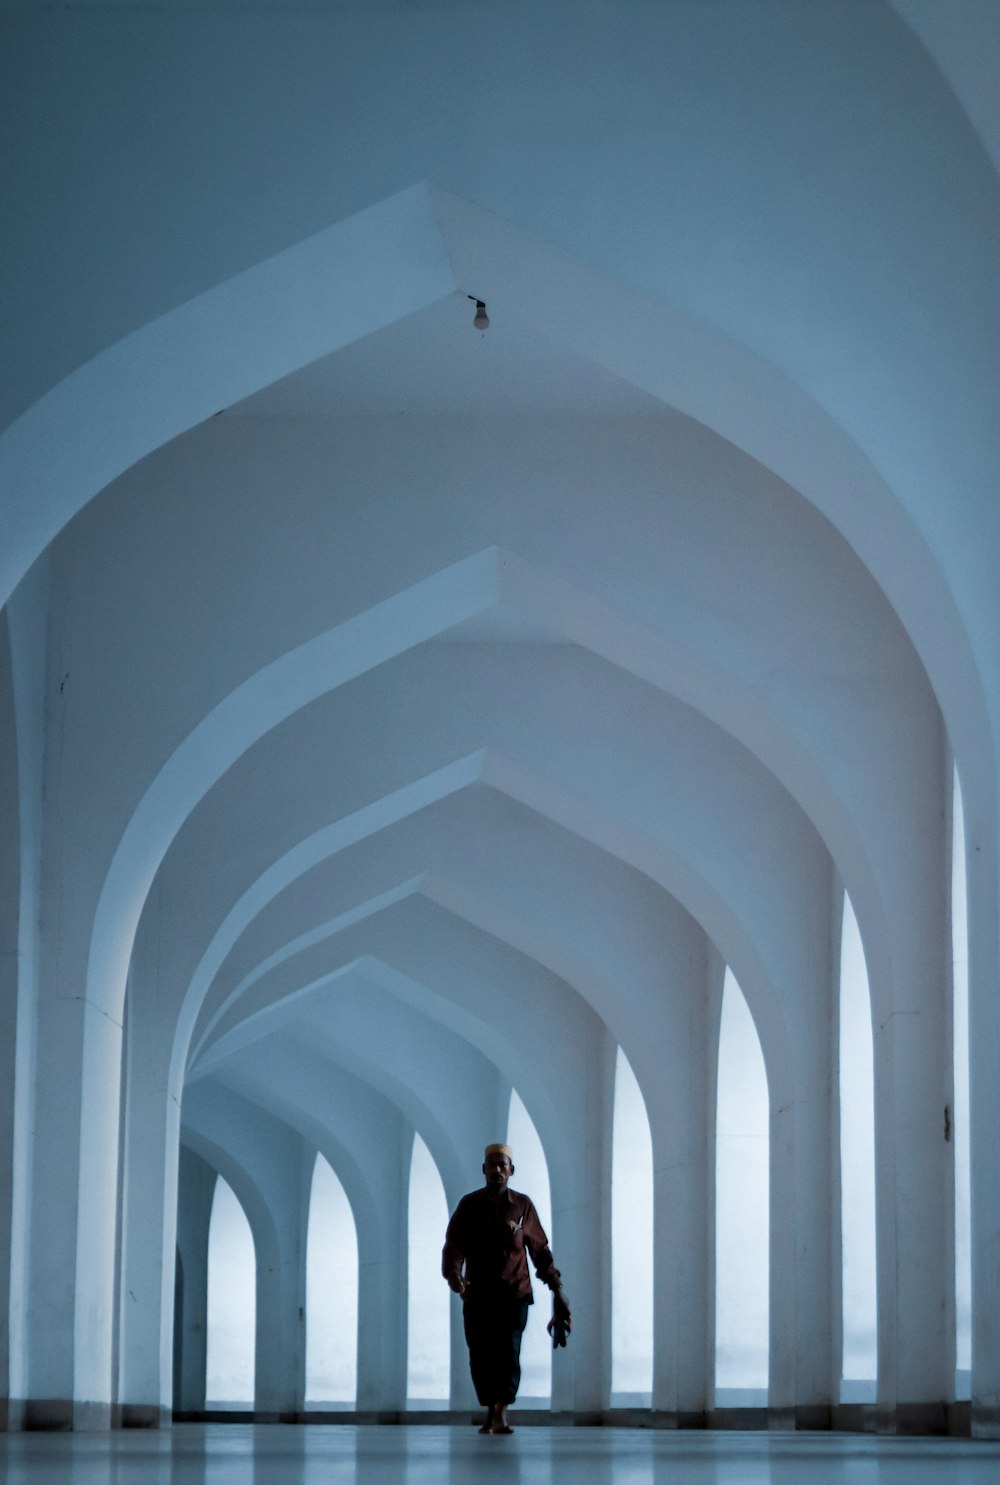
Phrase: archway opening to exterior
(742, 1225)
(232, 1304)
(631, 1243)
(859, 1363)
(531, 1176)
(428, 1344)
(960, 1110)
(331, 1294)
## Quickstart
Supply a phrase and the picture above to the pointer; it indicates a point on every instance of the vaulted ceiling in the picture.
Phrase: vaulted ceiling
(423, 700)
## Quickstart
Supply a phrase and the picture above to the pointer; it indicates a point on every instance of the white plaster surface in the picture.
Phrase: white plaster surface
(449, 712)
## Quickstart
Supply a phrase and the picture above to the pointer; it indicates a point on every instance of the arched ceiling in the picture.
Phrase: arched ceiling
(574, 652)
(531, 752)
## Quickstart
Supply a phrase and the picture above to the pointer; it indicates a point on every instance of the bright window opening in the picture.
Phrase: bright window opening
(631, 1243)
(742, 1229)
(531, 1175)
(428, 1346)
(857, 1168)
(232, 1304)
(331, 1294)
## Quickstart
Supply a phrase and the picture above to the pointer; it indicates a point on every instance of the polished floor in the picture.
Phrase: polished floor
(223, 1454)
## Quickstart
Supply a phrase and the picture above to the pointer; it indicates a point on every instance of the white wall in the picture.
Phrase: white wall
(351, 724)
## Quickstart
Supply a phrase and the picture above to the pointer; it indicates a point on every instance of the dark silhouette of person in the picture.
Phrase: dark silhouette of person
(485, 1260)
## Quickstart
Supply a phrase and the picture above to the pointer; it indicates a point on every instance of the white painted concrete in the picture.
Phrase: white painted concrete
(453, 711)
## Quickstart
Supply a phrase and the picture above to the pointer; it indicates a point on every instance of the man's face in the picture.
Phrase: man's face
(498, 1170)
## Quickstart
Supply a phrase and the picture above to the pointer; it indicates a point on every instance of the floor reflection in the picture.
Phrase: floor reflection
(240, 1454)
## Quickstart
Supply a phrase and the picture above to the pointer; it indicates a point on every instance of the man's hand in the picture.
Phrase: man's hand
(561, 1323)
(458, 1286)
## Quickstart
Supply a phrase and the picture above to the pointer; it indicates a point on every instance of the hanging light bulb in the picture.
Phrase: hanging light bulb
(482, 320)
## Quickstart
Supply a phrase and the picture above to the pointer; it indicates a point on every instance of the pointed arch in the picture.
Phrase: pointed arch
(631, 1242)
(742, 1219)
(859, 1302)
(428, 1370)
(232, 1303)
(331, 1293)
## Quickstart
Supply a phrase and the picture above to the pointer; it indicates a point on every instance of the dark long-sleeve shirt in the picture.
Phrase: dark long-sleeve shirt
(493, 1239)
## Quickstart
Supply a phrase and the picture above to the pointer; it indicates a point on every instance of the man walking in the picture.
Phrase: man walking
(485, 1260)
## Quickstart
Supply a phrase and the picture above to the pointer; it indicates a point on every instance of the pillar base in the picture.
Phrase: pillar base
(921, 1418)
(55, 1413)
(814, 1418)
(92, 1417)
(144, 1415)
(947, 1419)
(985, 1421)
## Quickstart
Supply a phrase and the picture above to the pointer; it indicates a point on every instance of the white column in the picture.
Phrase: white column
(681, 1103)
(671, 1047)
(149, 1209)
(984, 1096)
(913, 1084)
(68, 1074)
(279, 1391)
(196, 1186)
(27, 618)
(10, 891)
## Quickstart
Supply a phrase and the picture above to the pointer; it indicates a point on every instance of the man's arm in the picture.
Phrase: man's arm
(453, 1255)
(537, 1245)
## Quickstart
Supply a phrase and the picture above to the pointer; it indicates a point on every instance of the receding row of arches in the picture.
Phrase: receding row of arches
(435, 866)
(741, 1229)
